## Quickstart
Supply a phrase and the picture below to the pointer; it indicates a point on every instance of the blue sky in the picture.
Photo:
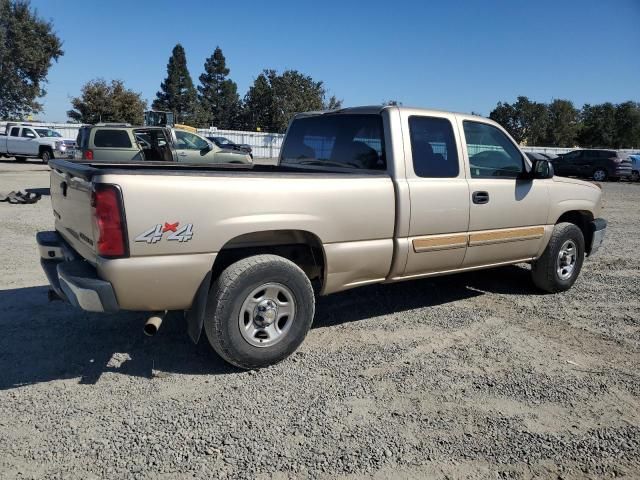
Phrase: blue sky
(449, 54)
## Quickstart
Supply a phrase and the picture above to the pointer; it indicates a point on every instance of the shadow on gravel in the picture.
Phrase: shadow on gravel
(376, 300)
(42, 341)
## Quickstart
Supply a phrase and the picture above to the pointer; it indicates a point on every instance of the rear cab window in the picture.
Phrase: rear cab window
(104, 138)
(349, 141)
(433, 147)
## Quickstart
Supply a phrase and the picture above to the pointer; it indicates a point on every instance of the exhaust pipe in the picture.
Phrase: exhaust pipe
(152, 325)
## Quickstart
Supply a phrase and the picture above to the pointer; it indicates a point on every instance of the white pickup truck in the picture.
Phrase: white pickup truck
(23, 141)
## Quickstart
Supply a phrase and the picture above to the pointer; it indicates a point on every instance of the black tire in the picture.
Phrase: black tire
(635, 176)
(600, 175)
(545, 272)
(21, 159)
(45, 156)
(227, 298)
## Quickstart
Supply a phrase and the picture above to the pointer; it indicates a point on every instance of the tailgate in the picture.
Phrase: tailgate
(71, 201)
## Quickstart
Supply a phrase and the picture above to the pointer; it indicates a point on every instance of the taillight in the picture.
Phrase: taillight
(87, 155)
(109, 220)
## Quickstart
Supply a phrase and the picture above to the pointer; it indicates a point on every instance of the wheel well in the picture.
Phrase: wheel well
(581, 219)
(301, 247)
(43, 148)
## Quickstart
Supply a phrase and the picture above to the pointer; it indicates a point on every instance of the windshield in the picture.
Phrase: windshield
(47, 132)
(336, 140)
(223, 140)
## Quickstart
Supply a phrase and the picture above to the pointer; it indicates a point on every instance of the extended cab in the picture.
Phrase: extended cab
(360, 196)
(28, 141)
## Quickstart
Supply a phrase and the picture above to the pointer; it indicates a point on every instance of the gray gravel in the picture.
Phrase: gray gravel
(474, 376)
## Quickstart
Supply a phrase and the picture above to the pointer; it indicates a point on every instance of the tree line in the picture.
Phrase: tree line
(268, 105)
(561, 124)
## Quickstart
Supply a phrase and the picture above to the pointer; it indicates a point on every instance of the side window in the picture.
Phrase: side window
(15, 132)
(28, 133)
(433, 147)
(189, 141)
(491, 153)
(112, 139)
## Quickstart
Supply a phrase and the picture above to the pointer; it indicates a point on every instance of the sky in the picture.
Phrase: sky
(459, 55)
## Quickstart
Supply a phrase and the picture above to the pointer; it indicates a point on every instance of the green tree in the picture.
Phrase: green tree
(526, 121)
(177, 93)
(505, 114)
(274, 99)
(100, 101)
(627, 125)
(598, 125)
(28, 45)
(218, 95)
(562, 124)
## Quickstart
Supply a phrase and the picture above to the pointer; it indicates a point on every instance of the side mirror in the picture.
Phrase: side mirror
(542, 169)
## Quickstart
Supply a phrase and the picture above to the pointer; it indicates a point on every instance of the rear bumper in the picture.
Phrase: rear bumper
(72, 278)
(598, 228)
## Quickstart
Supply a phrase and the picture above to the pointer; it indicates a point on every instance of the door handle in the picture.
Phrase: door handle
(182, 154)
(480, 197)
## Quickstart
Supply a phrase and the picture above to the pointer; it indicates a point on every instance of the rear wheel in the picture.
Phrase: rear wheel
(559, 265)
(635, 176)
(259, 311)
(600, 175)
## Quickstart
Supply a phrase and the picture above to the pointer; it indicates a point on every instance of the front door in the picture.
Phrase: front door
(439, 194)
(29, 143)
(192, 148)
(508, 214)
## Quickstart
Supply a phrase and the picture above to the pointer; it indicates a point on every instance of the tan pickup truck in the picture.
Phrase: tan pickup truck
(359, 196)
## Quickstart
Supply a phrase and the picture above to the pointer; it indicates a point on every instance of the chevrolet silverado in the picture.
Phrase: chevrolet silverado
(359, 196)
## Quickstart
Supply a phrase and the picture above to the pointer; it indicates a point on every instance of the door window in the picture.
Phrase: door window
(189, 141)
(15, 132)
(28, 133)
(433, 147)
(491, 153)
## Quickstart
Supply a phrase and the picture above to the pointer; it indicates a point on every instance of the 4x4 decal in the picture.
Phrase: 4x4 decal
(178, 233)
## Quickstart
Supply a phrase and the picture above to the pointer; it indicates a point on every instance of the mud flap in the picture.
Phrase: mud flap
(195, 315)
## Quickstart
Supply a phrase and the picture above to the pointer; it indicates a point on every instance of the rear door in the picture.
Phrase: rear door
(439, 193)
(14, 141)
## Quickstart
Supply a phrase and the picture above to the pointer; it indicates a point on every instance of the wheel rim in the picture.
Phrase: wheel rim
(567, 259)
(267, 314)
(599, 175)
(45, 157)
(635, 176)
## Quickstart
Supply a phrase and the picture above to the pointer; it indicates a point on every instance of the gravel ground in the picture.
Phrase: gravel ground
(474, 376)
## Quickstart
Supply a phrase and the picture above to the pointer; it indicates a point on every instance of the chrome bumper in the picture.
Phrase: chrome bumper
(72, 278)
(599, 228)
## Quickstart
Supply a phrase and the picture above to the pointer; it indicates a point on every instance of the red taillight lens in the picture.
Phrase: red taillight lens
(88, 154)
(109, 220)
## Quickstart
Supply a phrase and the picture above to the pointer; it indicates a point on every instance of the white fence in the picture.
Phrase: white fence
(264, 145)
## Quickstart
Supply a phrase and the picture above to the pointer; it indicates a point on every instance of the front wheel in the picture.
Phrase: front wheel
(635, 176)
(45, 156)
(559, 265)
(600, 175)
(259, 311)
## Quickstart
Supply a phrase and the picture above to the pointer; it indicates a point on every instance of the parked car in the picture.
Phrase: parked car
(224, 142)
(360, 196)
(598, 164)
(23, 141)
(122, 143)
(635, 167)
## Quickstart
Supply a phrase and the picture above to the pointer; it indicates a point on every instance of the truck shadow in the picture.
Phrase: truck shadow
(42, 341)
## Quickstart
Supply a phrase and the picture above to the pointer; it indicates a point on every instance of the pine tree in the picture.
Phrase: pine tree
(218, 95)
(177, 93)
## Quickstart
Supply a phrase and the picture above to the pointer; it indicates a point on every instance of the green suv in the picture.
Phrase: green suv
(124, 143)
